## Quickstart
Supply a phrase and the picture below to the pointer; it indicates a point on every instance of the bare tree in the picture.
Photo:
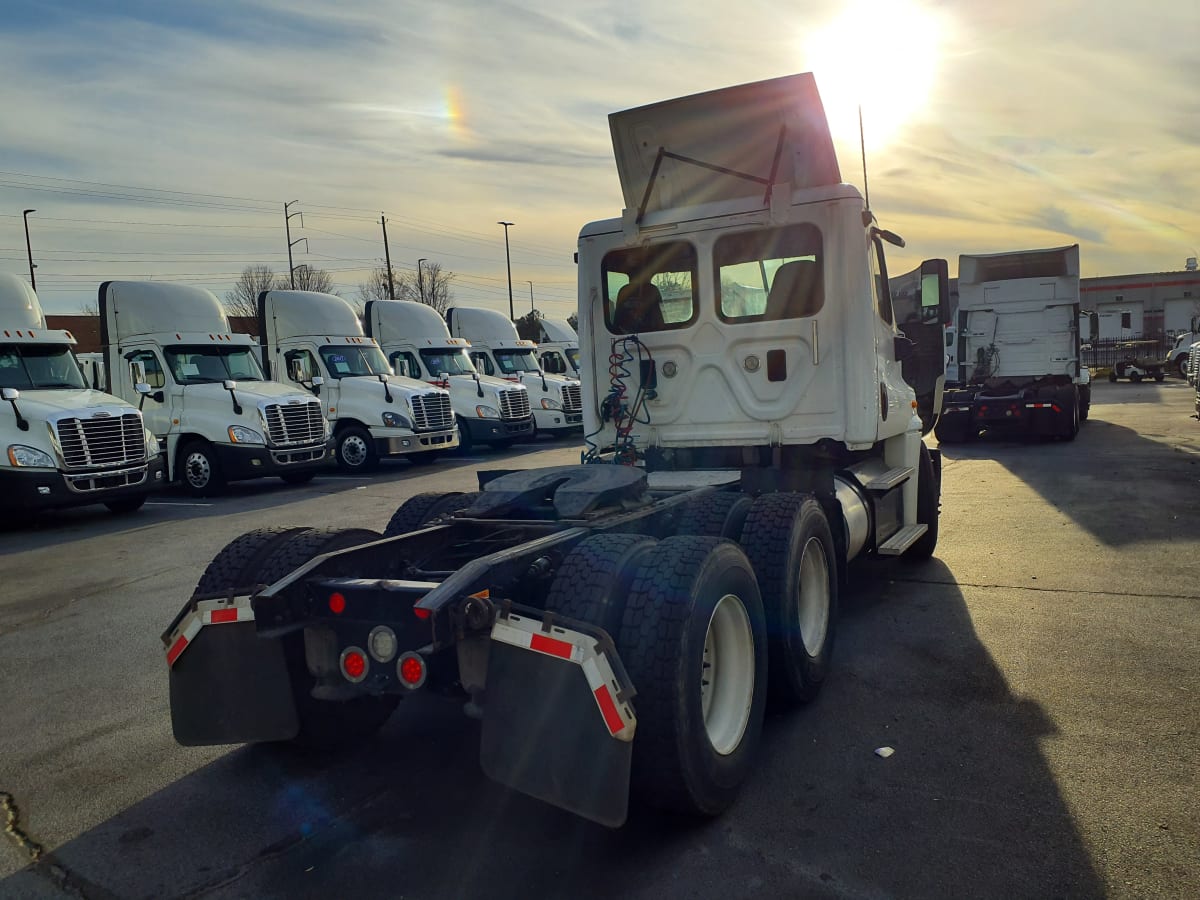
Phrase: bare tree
(376, 286)
(527, 326)
(243, 299)
(433, 287)
(89, 308)
(307, 279)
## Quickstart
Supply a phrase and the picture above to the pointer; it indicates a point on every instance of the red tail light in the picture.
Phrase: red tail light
(337, 604)
(421, 613)
(411, 670)
(354, 664)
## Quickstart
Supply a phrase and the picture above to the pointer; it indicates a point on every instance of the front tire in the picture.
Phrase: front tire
(356, 450)
(199, 469)
(125, 505)
(788, 539)
(693, 640)
(297, 477)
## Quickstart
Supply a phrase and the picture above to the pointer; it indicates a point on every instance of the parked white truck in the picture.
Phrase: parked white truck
(418, 345)
(1019, 360)
(65, 444)
(558, 347)
(618, 627)
(373, 412)
(497, 350)
(216, 416)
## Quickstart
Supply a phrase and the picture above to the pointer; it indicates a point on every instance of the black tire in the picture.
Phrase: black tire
(1085, 403)
(1181, 366)
(125, 505)
(594, 579)
(1135, 377)
(715, 515)
(298, 477)
(1071, 415)
(465, 443)
(422, 459)
(777, 531)
(238, 562)
(324, 724)
(929, 505)
(419, 511)
(662, 644)
(199, 469)
(952, 430)
(355, 450)
(1112, 376)
(1160, 377)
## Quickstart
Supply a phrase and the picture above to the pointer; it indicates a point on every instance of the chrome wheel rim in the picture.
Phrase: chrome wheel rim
(814, 596)
(727, 675)
(197, 470)
(354, 450)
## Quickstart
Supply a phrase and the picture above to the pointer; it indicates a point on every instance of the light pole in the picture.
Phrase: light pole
(530, 283)
(508, 265)
(29, 248)
(421, 278)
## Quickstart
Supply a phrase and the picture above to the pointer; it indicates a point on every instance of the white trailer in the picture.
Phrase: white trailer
(65, 442)
(307, 335)
(418, 345)
(216, 416)
(497, 350)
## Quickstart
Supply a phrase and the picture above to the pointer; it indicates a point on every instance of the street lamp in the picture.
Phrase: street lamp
(530, 283)
(421, 278)
(29, 249)
(508, 264)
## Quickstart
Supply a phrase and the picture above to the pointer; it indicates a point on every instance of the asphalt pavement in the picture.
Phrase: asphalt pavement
(1037, 681)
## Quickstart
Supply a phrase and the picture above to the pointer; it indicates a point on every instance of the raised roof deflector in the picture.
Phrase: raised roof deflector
(736, 142)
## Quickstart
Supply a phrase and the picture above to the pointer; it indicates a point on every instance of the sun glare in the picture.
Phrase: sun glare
(882, 54)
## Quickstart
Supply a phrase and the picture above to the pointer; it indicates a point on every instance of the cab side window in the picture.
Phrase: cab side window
(305, 358)
(153, 368)
(483, 362)
(553, 363)
(881, 293)
(405, 364)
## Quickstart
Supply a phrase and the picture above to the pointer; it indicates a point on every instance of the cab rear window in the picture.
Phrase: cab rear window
(650, 288)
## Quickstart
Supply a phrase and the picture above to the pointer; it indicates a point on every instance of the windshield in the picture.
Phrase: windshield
(449, 362)
(573, 356)
(39, 366)
(512, 361)
(212, 364)
(345, 362)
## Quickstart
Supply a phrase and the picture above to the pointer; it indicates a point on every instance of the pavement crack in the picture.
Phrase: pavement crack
(42, 863)
(1044, 589)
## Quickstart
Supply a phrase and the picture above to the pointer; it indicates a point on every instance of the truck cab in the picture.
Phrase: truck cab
(65, 442)
(558, 347)
(316, 340)
(497, 351)
(216, 415)
(418, 345)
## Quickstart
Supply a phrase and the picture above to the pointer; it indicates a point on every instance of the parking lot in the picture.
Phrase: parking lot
(1037, 680)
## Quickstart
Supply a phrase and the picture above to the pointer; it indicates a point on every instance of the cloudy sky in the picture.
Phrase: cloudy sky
(160, 139)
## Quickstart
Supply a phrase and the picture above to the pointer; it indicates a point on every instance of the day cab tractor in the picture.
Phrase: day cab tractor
(754, 416)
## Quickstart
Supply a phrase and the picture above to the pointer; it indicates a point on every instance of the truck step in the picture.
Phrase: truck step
(902, 540)
(889, 479)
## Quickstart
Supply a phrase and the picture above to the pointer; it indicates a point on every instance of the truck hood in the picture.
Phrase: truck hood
(488, 382)
(773, 131)
(249, 392)
(365, 389)
(39, 404)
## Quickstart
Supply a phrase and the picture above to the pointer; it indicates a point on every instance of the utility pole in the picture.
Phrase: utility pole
(387, 258)
(29, 248)
(421, 278)
(508, 264)
(530, 283)
(287, 227)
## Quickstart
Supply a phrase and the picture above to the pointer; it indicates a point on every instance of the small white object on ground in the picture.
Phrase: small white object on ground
(885, 752)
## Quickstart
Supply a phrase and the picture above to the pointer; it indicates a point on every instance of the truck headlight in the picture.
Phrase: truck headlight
(395, 420)
(240, 434)
(487, 412)
(151, 444)
(547, 403)
(20, 455)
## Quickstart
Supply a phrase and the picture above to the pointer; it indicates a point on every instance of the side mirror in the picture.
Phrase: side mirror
(382, 376)
(1093, 327)
(142, 388)
(229, 384)
(137, 372)
(935, 292)
(317, 381)
(10, 395)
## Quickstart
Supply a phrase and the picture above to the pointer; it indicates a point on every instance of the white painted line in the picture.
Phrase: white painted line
(173, 503)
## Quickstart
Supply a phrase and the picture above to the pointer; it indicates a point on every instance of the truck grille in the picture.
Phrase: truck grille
(432, 412)
(514, 404)
(295, 423)
(102, 440)
(572, 398)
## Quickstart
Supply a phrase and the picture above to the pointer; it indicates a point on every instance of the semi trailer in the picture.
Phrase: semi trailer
(1020, 369)
(66, 442)
(618, 625)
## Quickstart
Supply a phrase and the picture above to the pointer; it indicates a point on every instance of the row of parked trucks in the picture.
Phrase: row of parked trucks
(176, 396)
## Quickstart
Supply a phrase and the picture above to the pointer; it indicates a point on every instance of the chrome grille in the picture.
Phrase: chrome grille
(102, 440)
(432, 412)
(572, 398)
(289, 424)
(514, 404)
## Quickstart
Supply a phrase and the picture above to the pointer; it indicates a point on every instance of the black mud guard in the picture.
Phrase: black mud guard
(230, 686)
(546, 733)
(572, 491)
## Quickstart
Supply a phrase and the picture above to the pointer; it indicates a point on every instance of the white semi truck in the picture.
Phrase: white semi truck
(64, 443)
(216, 416)
(1019, 360)
(558, 347)
(417, 343)
(497, 350)
(373, 412)
(617, 626)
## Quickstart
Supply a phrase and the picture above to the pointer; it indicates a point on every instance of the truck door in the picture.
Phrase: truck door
(156, 408)
(921, 315)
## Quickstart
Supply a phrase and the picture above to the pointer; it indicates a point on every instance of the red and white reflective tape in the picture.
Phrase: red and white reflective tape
(206, 612)
(580, 649)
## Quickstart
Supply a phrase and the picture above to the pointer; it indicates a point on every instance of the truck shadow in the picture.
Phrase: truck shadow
(967, 806)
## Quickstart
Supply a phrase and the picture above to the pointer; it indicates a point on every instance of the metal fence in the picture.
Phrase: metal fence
(1105, 353)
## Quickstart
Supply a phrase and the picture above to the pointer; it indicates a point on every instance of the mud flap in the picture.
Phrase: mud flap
(231, 687)
(549, 733)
